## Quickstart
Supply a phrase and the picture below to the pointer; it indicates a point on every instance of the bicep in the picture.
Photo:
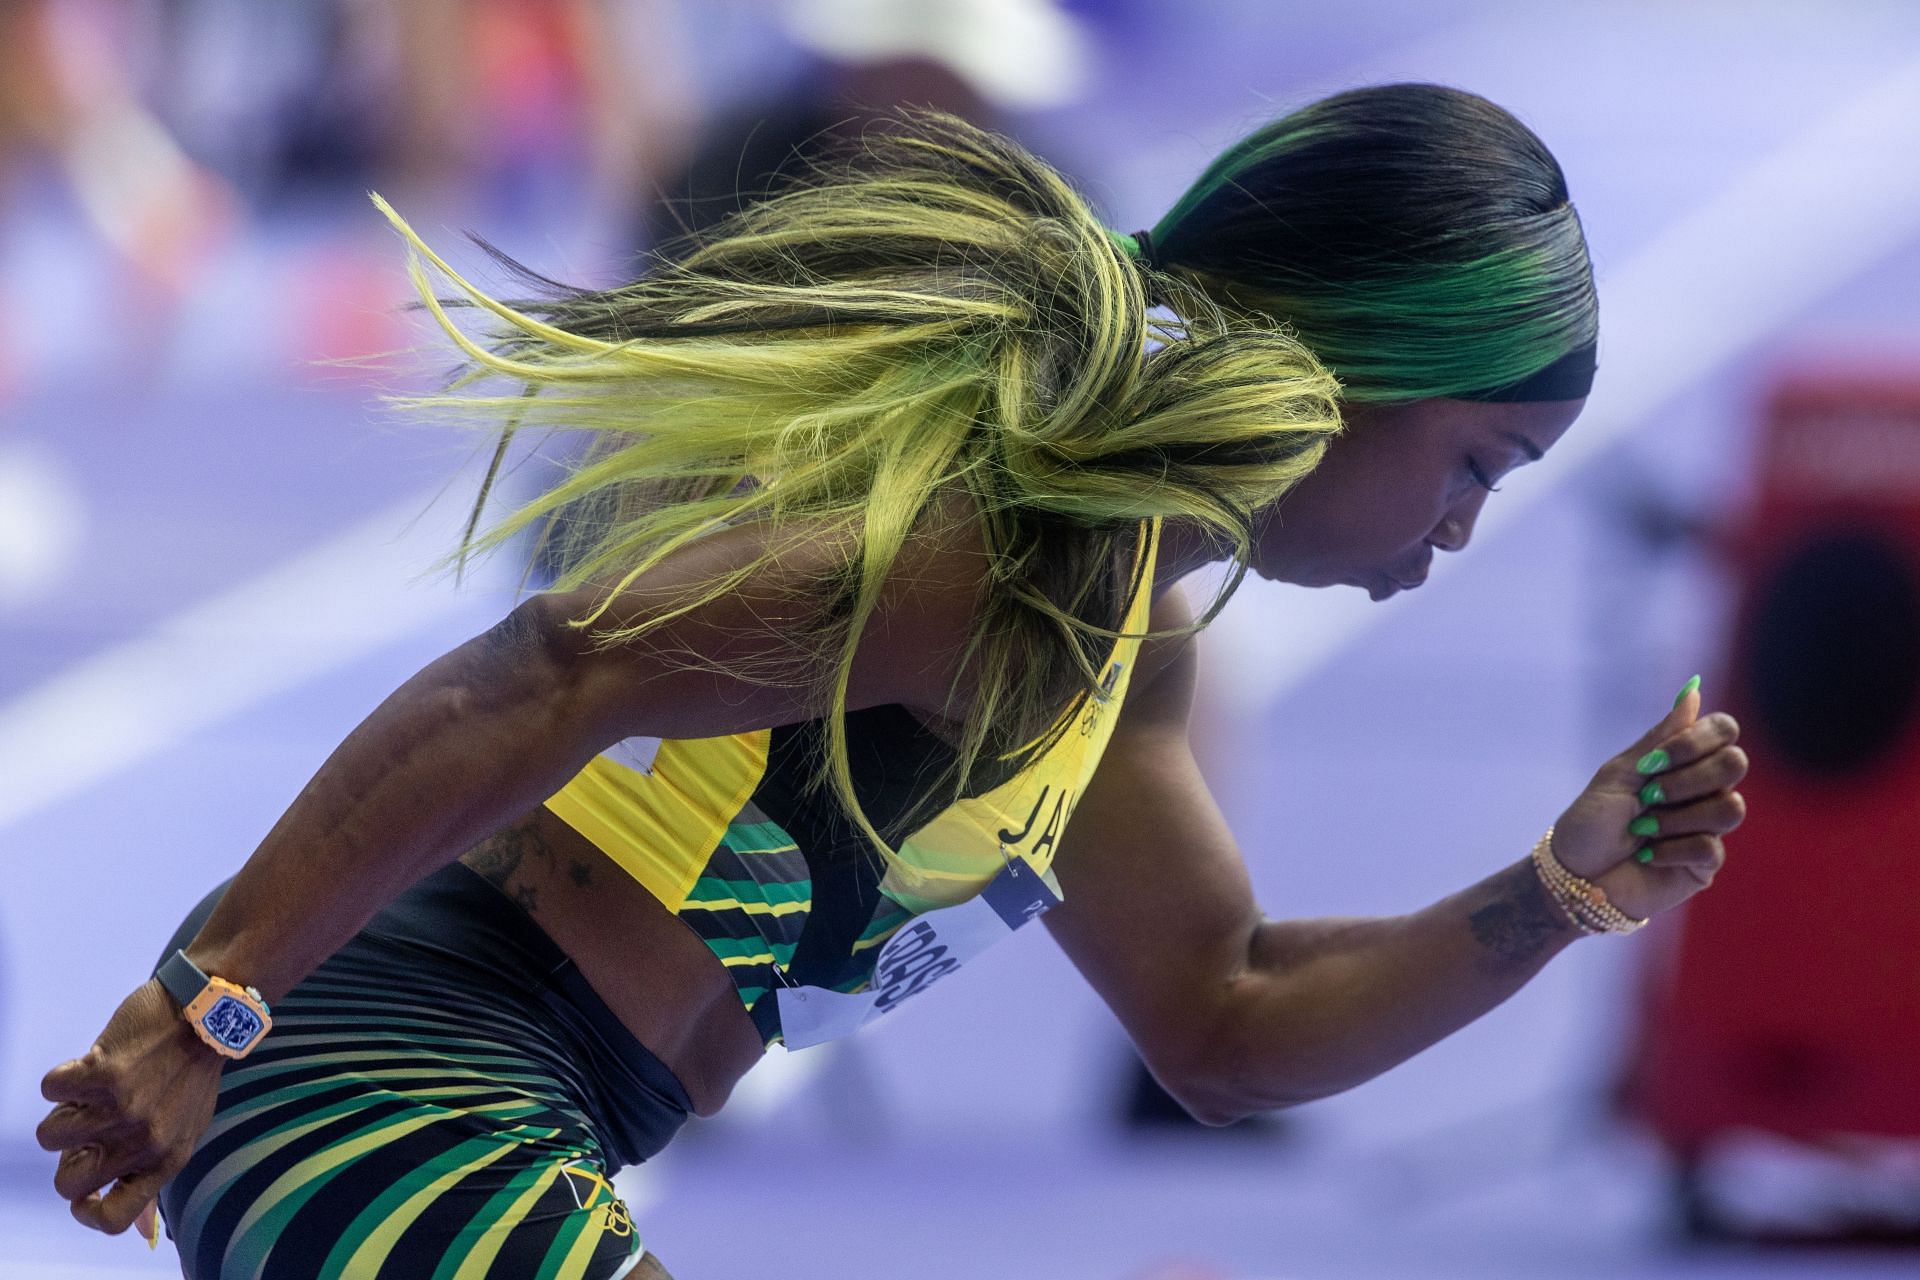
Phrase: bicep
(1159, 912)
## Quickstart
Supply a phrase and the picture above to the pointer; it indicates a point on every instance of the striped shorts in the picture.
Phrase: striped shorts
(444, 1099)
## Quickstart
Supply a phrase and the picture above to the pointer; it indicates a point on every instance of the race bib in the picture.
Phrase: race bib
(926, 949)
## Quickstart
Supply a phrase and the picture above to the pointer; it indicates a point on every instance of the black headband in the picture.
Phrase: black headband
(1568, 378)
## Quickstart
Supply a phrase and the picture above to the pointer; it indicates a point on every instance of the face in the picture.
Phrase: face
(1401, 482)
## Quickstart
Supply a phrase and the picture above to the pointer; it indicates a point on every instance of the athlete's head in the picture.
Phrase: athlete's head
(1421, 243)
(940, 313)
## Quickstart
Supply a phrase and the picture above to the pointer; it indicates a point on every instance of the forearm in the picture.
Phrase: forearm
(1328, 1004)
(471, 742)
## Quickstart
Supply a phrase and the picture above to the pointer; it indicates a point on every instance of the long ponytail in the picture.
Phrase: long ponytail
(938, 310)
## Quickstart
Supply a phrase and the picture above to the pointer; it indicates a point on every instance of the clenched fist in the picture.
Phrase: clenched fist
(129, 1112)
(1648, 828)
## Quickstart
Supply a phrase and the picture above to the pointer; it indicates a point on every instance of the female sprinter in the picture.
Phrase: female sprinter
(869, 584)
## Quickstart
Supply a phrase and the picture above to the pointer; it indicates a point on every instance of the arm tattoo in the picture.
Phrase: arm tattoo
(1518, 923)
(499, 856)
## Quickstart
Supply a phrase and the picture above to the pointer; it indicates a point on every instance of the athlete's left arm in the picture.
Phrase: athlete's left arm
(1235, 1013)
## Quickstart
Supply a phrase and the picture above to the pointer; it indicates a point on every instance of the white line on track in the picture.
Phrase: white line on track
(343, 600)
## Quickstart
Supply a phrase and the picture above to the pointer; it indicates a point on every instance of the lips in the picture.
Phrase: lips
(1385, 586)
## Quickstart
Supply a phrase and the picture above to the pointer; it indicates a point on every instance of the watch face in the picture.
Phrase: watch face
(232, 1023)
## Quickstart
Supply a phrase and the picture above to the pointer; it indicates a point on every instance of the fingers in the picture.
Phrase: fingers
(71, 1124)
(81, 1080)
(1701, 739)
(1700, 856)
(127, 1113)
(81, 1172)
(90, 1166)
(96, 1139)
(1685, 709)
(1715, 815)
(1695, 742)
(117, 1209)
(1723, 770)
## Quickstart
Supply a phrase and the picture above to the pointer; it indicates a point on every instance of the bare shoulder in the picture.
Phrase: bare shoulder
(715, 664)
(744, 652)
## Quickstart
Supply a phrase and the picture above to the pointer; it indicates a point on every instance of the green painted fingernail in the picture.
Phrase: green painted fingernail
(1645, 855)
(1645, 825)
(1653, 762)
(1686, 689)
(1653, 793)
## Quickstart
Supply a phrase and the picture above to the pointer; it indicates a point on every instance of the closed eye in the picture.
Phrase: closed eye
(1480, 477)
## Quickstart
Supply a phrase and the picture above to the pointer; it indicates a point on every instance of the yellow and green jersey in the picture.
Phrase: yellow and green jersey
(728, 835)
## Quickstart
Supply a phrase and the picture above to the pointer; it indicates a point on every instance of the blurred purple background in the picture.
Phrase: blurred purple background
(212, 550)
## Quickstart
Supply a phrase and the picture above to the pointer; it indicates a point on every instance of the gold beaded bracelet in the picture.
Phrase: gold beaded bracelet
(1584, 902)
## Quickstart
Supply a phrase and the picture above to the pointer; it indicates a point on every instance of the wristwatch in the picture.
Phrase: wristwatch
(230, 1018)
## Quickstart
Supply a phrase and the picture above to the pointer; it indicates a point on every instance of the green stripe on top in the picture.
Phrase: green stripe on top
(714, 889)
(758, 837)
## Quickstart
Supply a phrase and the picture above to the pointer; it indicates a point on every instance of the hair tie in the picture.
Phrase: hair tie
(1144, 253)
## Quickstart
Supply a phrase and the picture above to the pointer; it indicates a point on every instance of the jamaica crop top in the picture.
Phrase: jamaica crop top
(786, 892)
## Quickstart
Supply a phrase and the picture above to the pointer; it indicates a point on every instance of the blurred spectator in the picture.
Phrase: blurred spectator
(67, 94)
(972, 58)
(517, 95)
(553, 104)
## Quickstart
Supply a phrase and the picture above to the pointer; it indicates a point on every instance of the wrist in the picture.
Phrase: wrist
(229, 1018)
(1566, 926)
(248, 957)
(1579, 900)
(189, 1040)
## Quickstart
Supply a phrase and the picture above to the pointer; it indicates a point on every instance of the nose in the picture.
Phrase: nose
(1455, 530)
(1449, 535)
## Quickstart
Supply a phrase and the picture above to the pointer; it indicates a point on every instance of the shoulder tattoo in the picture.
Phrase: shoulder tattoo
(498, 859)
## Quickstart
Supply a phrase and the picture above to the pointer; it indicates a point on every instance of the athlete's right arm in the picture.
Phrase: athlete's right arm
(487, 732)
(475, 740)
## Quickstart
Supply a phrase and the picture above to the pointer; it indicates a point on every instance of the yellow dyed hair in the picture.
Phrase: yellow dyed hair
(935, 309)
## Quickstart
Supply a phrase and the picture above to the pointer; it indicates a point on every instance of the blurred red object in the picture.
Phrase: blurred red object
(350, 302)
(1789, 1002)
